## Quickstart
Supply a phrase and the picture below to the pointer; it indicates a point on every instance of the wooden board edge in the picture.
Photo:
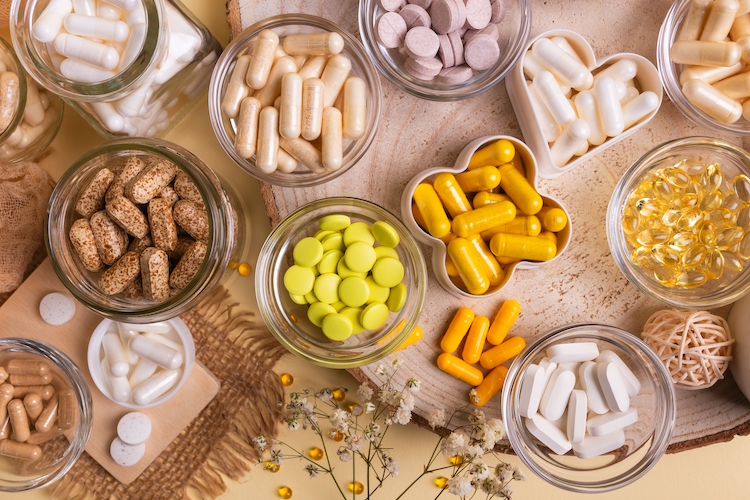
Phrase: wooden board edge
(234, 18)
(272, 210)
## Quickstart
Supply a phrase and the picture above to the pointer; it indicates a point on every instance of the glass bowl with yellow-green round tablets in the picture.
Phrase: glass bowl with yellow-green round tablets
(341, 282)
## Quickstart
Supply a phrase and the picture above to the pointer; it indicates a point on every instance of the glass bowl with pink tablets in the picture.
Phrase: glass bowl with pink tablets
(444, 50)
(46, 414)
(701, 55)
(341, 282)
(589, 407)
(294, 100)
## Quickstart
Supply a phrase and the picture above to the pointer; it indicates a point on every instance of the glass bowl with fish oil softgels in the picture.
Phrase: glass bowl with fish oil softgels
(678, 223)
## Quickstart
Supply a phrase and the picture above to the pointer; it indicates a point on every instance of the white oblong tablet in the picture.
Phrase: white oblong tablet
(612, 386)
(57, 308)
(548, 368)
(632, 384)
(134, 428)
(577, 409)
(546, 432)
(610, 422)
(593, 446)
(532, 389)
(590, 383)
(125, 454)
(556, 394)
(574, 352)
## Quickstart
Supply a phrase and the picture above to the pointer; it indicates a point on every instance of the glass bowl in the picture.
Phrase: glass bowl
(288, 321)
(645, 441)
(670, 74)
(651, 277)
(287, 24)
(513, 29)
(61, 451)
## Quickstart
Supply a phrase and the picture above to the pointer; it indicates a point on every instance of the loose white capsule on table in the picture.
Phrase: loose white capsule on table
(573, 138)
(549, 434)
(156, 352)
(246, 139)
(267, 150)
(577, 409)
(156, 386)
(563, 65)
(532, 389)
(355, 108)
(553, 98)
(236, 89)
(556, 394)
(50, 21)
(594, 446)
(610, 111)
(586, 109)
(87, 51)
(334, 75)
(290, 110)
(313, 98)
(262, 59)
(613, 388)
(611, 422)
(94, 27)
(115, 354)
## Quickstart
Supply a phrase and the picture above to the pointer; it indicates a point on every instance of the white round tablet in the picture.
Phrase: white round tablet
(57, 308)
(134, 428)
(125, 454)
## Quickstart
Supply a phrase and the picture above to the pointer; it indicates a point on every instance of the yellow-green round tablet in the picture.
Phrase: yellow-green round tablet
(334, 241)
(397, 298)
(345, 272)
(322, 234)
(299, 280)
(337, 327)
(307, 252)
(335, 222)
(326, 287)
(388, 272)
(329, 261)
(353, 313)
(359, 257)
(382, 252)
(318, 311)
(338, 306)
(374, 316)
(377, 293)
(311, 298)
(359, 231)
(385, 234)
(354, 291)
(298, 299)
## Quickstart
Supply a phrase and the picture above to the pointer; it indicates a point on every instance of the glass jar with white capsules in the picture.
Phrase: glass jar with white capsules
(131, 68)
(294, 100)
(29, 115)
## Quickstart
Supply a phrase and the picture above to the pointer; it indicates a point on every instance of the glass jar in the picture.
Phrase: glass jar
(33, 122)
(225, 235)
(144, 83)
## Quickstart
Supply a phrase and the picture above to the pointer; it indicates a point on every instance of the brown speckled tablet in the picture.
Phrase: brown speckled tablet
(84, 244)
(189, 264)
(163, 228)
(155, 274)
(111, 239)
(458, 47)
(414, 16)
(138, 245)
(444, 15)
(132, 167)
(455, 75)
(92, 198)
(445, 52)
(186, 188)
(478, 13)
(127, 216)
(169, 194)
(183, 243)
(192, 217)
(117, 278)
(150, 181)
(481, 52)
(421, 43)
(498, 11)
(391, 30)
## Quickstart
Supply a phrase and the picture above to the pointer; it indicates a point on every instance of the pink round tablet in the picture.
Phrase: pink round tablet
(444, 15)
(481, 52)
(461, 5)
(425, 4)
(446, 51)
(391, 30)
(390, 5)
(455, 75)
(457, 44)
(415, 72)
(478, 13)
(421, 43)
(498, 11)
(414, 15)
(490, 29)
(429, 67)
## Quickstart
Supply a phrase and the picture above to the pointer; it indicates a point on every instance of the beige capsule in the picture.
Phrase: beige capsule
(155, 274)
(705, 53)
(129, 171)
(246, 139)
(45, 391)
(111, 240)
(147, 184)
(332, 151)
(38, 438)
(121, 274)
(287, 163)
(300, 60)
(92, 197)
(46, 419)
(188, 266)
(236, 88)
(267, 153)
(3, 374)
(27, 367)
(10, 90)
(5, 428)
(314, 44)
(334, 75)
(19, 421)
(313, 67)
(169, 194)
(163, 228)
(719, 20)
(127, 216)
(304, 152)
(84, 243)
(23, 451)
(66, 408)
(32, 402)
(272, 89)
(17, 380)
(355, 108)
(186, 188)
(192, 217)
(313, 97)
(138, 245)
(262, 59)
(33, 113)
(32, 133)
(6, 394)
(290, 110)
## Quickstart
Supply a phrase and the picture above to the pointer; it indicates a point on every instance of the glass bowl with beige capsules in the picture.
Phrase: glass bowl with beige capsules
(45, 414)
(294, 100)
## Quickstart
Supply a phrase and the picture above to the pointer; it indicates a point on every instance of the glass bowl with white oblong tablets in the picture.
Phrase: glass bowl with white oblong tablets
(589, 408)
(341, 282)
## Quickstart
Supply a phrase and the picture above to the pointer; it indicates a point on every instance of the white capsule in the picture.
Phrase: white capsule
(33, 114)
(116, 358)
(267, 150)
(577, 409)
(637, 109)
(553, 98)
(608, 105)
(290, 109)
(564, 44)
(612, 386)
(531, 67)
(710, 74)
(313, 67)
(563, 65)
(572, 352)
(131, 104)
(622, 71)
(94, 27)
(112, 120)
(108, 11)
(183, 47)
(84, 7)
(550, 128)
(81, 72)
(630, 94)
(164, 340)
(142, 372)
(556, 394)
(55, 58)
(573, 140)
(236, 89)
(136, 16)
(156, 352)
(132, 46)
(124, 4)
(84, 50)
(161, 327)
(169, 68)
(632, 383)
(594, 446)
(50, 21)
(283, 66)
(156, 386)
(125, 337)
(586, 109)
(611, 422)
(31, 134)
(119, 388)
(549, 434)
(590, 383)
(620, 89)
(532, 389)
(287, 163)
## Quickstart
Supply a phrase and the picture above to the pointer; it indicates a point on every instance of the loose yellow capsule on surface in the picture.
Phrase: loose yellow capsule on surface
(271, 467)
(503, 322)
(339, 394)
(460, 369)
(469, 267)
(491, 385)
(356, 487)
(475, 340)
(286, 379)
(502, 353)
(244, 269)
(285, 492)
(457, 329)
(497, 153)
(441, 482)
(316, 453)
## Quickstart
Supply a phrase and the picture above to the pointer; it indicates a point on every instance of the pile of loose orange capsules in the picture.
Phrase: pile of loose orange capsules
(480, 330)
(688, 222)
(501, 225)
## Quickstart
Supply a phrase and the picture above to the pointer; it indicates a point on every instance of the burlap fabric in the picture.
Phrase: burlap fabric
(241, 353)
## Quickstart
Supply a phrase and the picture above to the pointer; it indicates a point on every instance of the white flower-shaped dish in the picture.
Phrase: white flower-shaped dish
(647, 78)
(439, 251)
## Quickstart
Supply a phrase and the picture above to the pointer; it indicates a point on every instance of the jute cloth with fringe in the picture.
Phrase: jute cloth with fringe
(241, 352)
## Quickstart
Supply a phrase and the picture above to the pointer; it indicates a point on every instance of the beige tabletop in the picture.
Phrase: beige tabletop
(716, 471)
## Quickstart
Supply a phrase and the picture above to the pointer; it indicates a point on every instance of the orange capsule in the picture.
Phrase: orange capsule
(484, 218)
(414, 337)
(502, 353)
(470, 269)
(432, 210)
(450, 193)
(491, 385)
(503, 322)
(460, 369)
(457, 329)
(475, 340)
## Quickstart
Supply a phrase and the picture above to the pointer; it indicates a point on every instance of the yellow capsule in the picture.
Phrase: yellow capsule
(552, 219)
(743, 249)
(418, 216)
(286, 379)
(706, 233)
(271, 467)
(233, 264)
(732, 261)
(728, 237)
(441, 482)
(432, 210)
(316, 453)
(695, 188)
(285, 492)
(743, 218)
(483, 218)
(522, 247)
(683, 240)
(694, 256)
(491, 385)
(489, 263)
(667, 255)
(457, 329)
(460, 369)
(642, 256)
(293, 318)
(337, 436)
(549, 235)
(677, 177)
(664, 190)
(479, 179)
(733, 203)
(458, 282)
(630, 219)
(525, 225)
(356, 487)
(475, 340)
(721, 217)
(691, 166)
(502, 353)
(685, 200)
(483, 198)
(339, 394)
(654, 236)
(742, 187)
(244, 269)
(450, 267)
(520, 191)
(649, 223)
(495, 154)
(711, 201)
(456, 460)
(414, 337)
(450, 193)
(664, 275)
(671, 217)
(711, 179)
(469, 267)
(648, 207)
(692, 279)
(688, 220)
(503, 321)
